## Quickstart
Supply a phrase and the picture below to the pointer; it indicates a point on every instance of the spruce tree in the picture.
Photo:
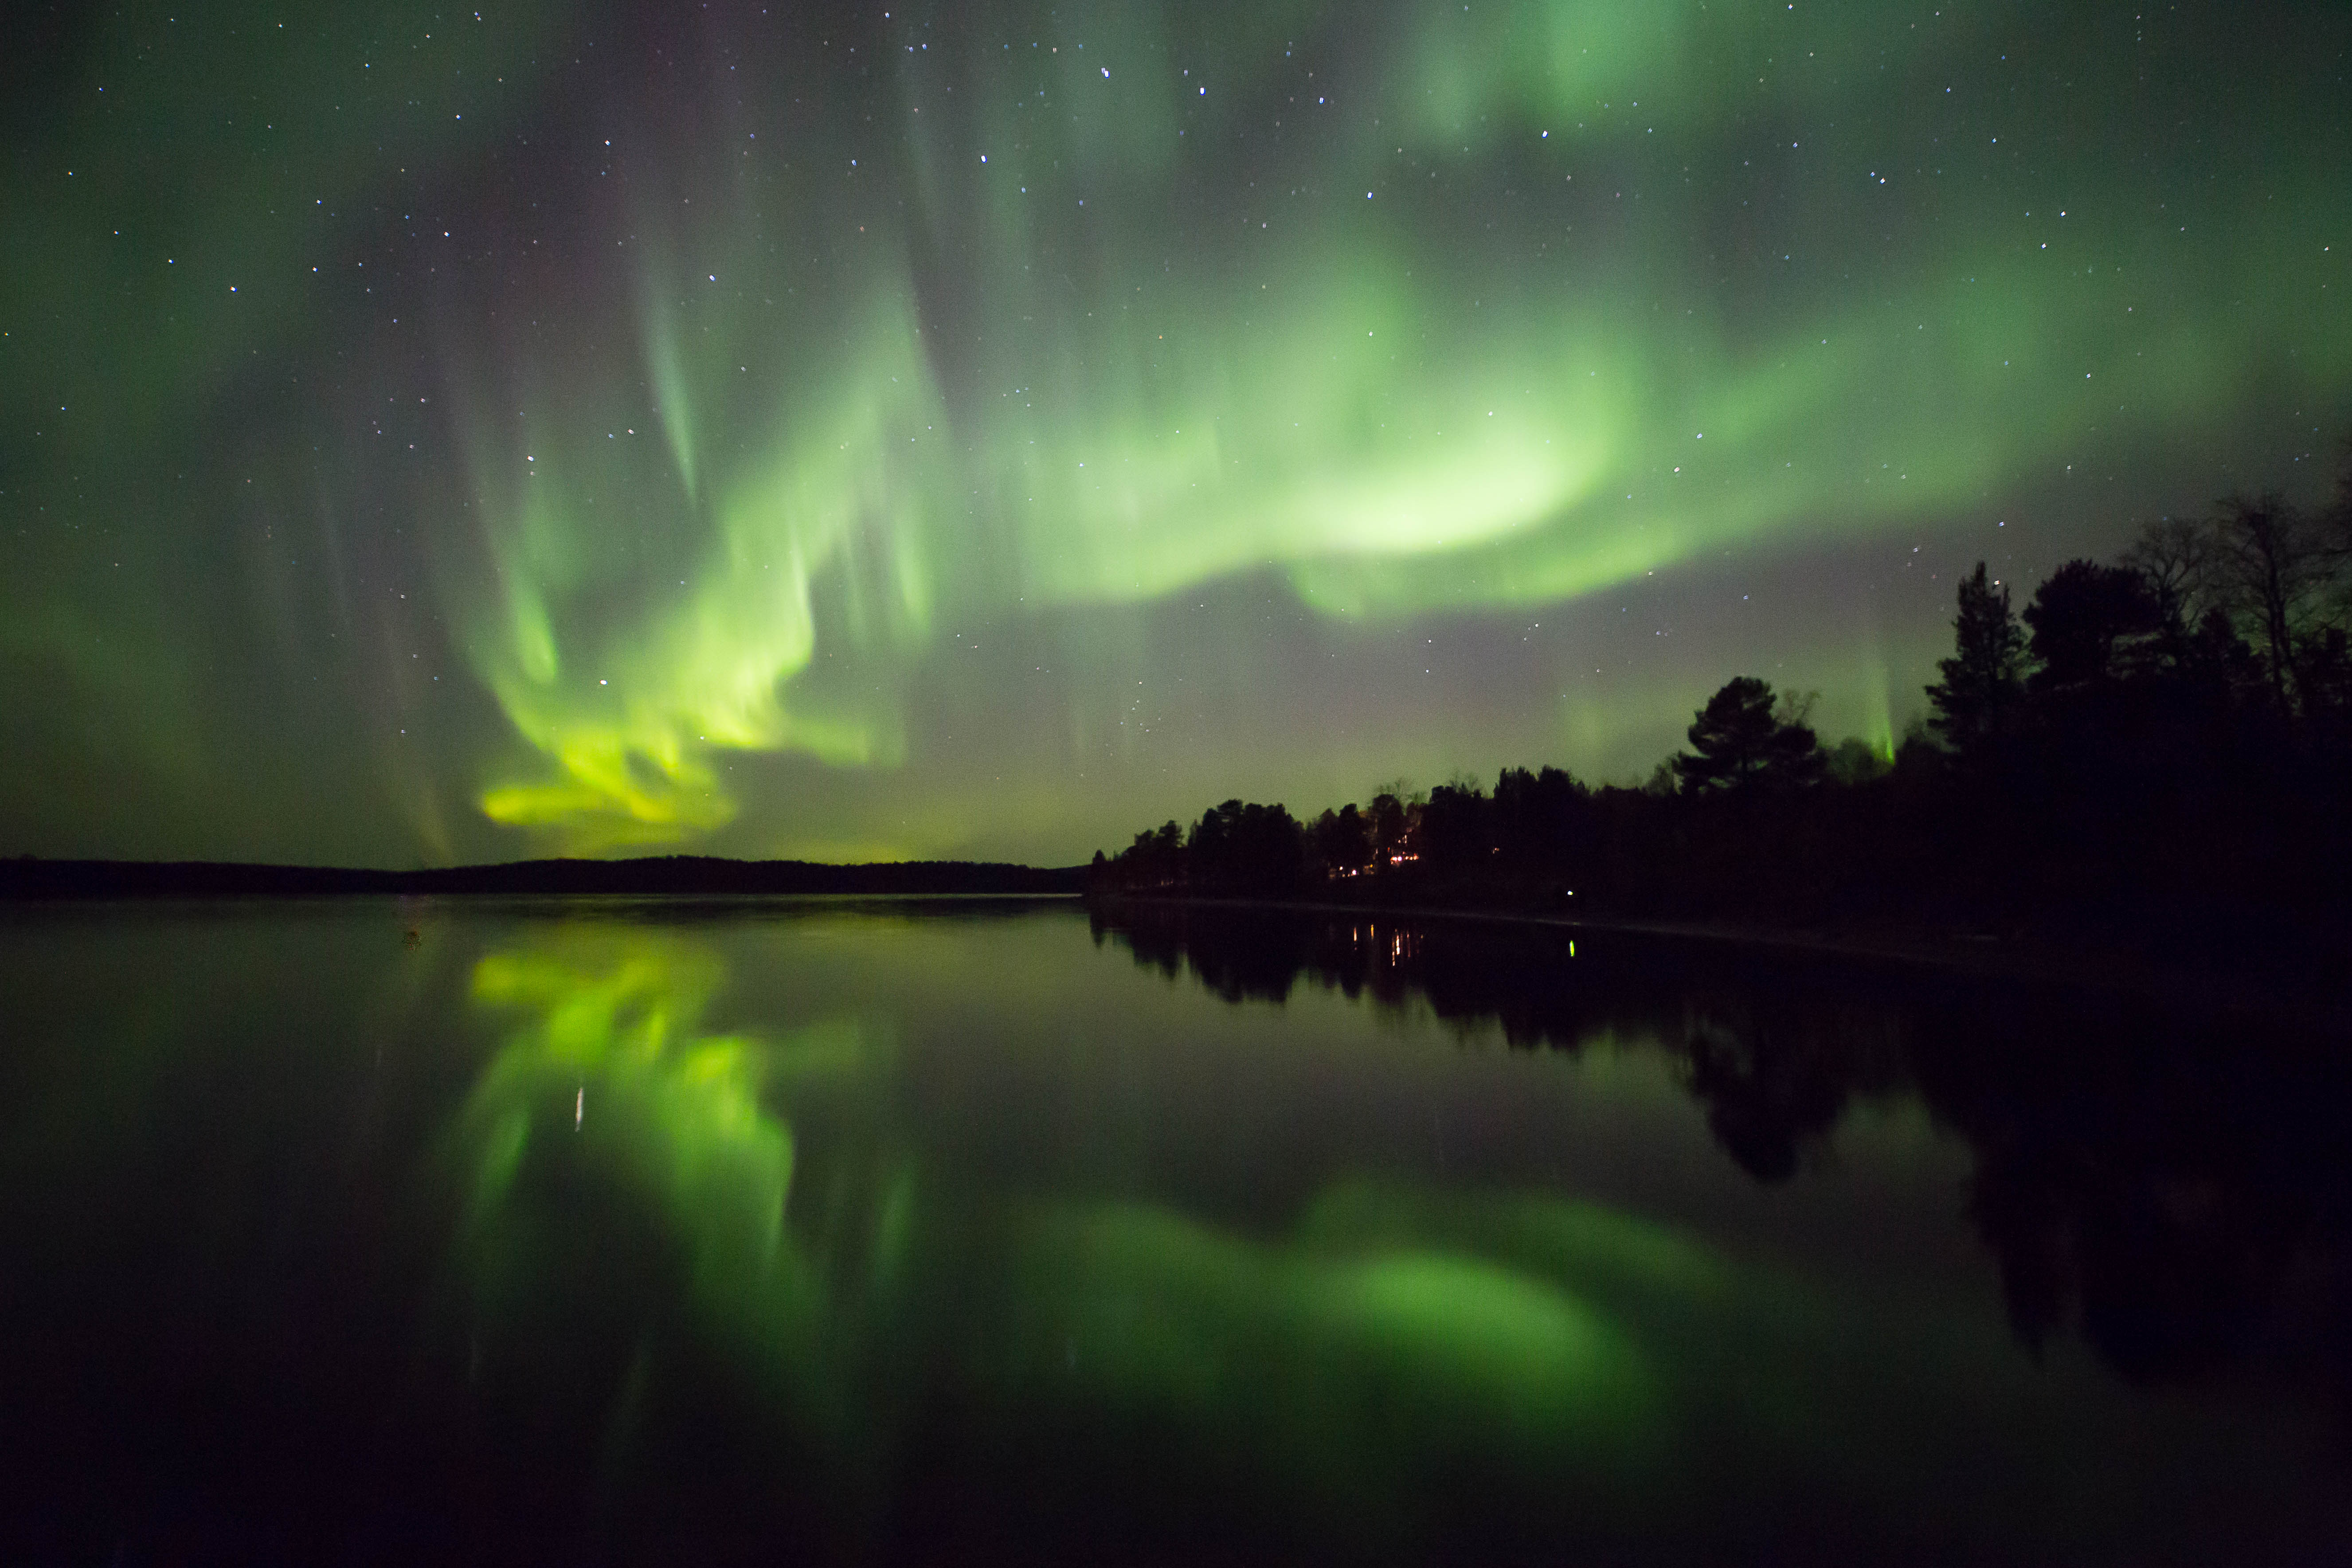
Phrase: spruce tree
(1985, 677)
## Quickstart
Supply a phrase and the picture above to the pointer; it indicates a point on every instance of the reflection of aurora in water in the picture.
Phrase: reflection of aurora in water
(760, 1231)
(614, 1155)
(754, 1210)
(695, 1170)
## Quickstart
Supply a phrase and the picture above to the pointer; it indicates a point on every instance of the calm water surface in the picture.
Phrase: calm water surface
(357, 1231)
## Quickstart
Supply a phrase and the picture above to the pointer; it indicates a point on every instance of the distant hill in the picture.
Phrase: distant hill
(27, 878)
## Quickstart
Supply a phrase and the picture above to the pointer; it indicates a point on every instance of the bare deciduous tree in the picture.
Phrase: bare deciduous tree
(2175, 558)
(2271, 568)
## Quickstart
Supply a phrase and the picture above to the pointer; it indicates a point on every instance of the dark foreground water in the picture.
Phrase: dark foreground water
(365, 1232)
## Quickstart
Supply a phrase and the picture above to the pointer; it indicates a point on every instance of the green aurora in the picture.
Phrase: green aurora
(858, 433)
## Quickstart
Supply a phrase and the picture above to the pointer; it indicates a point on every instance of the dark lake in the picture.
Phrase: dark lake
(367, 1231)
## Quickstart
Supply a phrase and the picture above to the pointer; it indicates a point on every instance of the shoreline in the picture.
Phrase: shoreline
(28, 880)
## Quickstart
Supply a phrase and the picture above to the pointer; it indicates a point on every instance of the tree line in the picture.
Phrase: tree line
(2164, 739)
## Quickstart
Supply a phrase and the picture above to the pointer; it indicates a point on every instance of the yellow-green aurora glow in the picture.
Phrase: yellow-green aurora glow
(977, 430)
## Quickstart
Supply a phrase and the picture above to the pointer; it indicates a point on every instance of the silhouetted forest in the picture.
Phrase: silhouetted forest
(2172, 1187)
(2158, 747)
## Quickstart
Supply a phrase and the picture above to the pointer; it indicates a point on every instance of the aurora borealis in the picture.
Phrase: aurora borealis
(890, 430)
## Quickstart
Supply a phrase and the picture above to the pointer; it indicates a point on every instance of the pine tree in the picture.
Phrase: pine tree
(1741, 740)
(2087, 621)
(1984, 679)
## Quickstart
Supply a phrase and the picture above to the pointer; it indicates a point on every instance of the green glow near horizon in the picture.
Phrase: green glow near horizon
(711, 423)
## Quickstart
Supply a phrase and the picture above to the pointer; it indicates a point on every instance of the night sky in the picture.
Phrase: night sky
(983, 430)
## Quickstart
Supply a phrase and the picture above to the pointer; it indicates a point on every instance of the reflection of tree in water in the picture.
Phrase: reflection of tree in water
(2153, 1182)
(1769, 1083)
(1263, 969)
(2169, 1186)
(2166, 1269)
